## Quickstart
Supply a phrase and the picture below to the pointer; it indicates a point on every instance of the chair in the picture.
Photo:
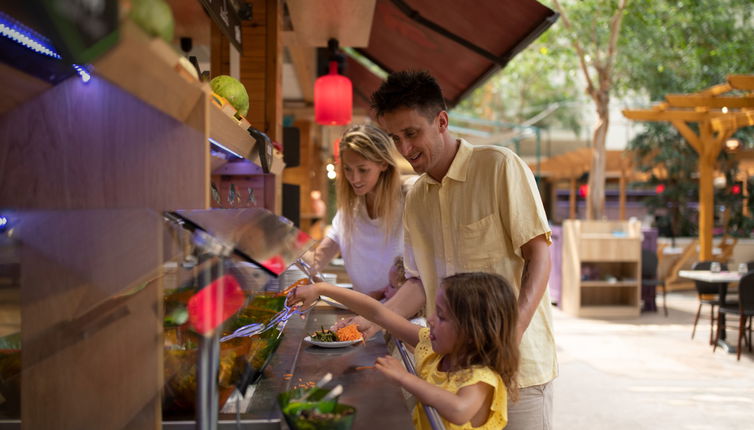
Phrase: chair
(649, 281)
(744, 310)
(709, 294)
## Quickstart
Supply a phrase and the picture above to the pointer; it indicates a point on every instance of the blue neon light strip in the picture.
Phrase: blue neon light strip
(224, 148)
(25, 36)
(81, 70)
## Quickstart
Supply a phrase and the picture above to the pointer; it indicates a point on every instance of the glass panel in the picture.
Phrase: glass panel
(269, 240)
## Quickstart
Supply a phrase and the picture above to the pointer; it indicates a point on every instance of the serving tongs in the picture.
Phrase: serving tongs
(306, 394)
(257, 328)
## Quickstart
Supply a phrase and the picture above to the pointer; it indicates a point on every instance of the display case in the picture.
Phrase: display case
(601, 268)
(114, 318)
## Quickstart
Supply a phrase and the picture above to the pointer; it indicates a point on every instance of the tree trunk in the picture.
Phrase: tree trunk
(596, 197)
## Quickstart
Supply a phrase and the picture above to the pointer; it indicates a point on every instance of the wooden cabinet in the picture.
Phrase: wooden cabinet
(601, 268)
(137, 135)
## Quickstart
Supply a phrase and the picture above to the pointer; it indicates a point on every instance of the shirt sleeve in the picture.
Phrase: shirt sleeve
(409, 261)
(335, 230)
(523, 211)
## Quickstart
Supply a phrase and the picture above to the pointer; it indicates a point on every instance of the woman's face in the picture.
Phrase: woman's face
(443, 331)
(361, 173)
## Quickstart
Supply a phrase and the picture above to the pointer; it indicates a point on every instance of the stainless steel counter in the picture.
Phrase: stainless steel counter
(379, 404)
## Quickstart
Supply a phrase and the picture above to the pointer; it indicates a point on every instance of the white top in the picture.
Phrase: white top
(367, 256)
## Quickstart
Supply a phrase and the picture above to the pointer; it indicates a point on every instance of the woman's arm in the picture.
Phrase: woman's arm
(458, 408)
(363, 305)
(322, 254)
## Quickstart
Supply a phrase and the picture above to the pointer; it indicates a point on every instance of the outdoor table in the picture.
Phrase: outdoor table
(722, 278)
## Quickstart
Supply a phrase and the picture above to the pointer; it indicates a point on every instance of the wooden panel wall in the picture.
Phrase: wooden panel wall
(262, 66)
(92, 319)
(95, 146)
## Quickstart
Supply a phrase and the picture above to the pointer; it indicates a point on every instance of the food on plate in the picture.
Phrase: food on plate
(349, 332)
(324, 335)
(345, 334)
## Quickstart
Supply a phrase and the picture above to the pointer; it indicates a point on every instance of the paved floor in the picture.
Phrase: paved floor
(647, 373)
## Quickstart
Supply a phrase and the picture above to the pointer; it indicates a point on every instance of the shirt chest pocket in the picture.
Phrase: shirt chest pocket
(480, 244)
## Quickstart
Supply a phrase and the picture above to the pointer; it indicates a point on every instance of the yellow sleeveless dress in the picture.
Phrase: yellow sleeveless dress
(427, 362)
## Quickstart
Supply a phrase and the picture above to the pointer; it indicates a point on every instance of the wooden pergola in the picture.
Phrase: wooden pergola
(719, 111)
(572, 165)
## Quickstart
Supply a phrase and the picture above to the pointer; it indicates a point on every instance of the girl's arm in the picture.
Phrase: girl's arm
(458, 408)
(323, 254)
(363, 305)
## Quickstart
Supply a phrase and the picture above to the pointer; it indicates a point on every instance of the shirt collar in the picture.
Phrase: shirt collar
(460, 165)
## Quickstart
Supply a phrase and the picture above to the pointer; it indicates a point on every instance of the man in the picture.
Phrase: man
(475, 208)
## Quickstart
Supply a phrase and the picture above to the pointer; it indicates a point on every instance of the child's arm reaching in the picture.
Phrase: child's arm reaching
(471, 402)
(361, 304)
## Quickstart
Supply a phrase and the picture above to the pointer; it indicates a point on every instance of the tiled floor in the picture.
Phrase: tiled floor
(647, 373)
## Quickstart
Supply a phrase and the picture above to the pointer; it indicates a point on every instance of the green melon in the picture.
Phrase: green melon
(233, 90)
(154, 17)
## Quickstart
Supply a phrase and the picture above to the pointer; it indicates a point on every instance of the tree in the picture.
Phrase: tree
(596, 47)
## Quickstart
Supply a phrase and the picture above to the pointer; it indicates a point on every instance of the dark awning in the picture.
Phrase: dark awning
(502, 28)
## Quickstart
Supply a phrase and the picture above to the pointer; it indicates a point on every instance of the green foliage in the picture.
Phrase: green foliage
(544, 74)
(684, 46)
(661, 145)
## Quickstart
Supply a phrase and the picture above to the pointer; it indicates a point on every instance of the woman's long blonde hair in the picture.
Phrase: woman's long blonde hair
(374, 145)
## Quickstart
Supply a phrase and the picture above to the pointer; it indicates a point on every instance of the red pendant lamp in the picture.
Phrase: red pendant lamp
(333, 93)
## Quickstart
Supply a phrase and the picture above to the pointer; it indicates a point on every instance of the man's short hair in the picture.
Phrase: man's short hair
(409, 89)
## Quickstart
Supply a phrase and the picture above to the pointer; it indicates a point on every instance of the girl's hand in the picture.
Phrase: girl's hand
(303, 295)
(391, 367)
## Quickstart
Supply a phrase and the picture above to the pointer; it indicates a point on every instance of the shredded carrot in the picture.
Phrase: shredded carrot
(349, 332)
(302, 281)
(287, 376)
(364, 367)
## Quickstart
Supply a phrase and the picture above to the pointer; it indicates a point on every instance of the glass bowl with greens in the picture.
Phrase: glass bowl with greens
(303, 412)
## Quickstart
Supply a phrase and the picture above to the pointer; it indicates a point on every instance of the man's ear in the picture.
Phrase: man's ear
(442, 121)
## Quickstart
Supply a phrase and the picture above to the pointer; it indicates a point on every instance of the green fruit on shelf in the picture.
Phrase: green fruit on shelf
(233, 90)
(154, 17)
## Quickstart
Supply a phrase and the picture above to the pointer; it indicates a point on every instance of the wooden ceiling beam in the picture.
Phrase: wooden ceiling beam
(742, 82)
(693, 100)
(668, 115)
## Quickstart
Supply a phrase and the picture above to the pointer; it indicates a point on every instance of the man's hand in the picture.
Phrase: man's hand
(391, 367)
(367, 328)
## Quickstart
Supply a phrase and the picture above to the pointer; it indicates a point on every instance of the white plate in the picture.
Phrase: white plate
(333, 302)
(309, 340)
(344, 285)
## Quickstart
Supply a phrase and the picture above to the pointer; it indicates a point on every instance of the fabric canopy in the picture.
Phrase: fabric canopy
(468, 44)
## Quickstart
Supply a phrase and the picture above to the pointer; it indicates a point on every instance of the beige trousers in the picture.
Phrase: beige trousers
(533, 410)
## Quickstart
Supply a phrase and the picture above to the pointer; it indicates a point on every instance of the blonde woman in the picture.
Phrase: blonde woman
(367, 229)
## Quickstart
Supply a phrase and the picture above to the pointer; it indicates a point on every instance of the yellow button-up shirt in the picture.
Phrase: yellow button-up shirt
(476, 220)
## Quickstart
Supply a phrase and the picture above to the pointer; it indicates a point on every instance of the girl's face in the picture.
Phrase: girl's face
(443, 331)
(361, 173)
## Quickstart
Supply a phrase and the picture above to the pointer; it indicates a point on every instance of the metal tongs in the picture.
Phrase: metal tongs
(256, 328)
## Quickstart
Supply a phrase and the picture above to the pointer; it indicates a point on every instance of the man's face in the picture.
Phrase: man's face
(416, 137)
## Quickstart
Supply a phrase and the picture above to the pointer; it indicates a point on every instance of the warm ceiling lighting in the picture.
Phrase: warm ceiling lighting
(333, 93)
(732, 144)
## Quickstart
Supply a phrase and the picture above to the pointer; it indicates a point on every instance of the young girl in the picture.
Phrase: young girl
(465, 361)
(396, 277)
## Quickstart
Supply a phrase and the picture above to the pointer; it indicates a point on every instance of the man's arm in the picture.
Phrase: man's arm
(533, 281)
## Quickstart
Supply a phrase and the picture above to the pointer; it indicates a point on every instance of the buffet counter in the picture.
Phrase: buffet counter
(378, 403)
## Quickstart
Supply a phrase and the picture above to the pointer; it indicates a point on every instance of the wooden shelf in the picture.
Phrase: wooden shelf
(227, 132)
(148, 69)
(592, 250)
(602, 284)
(613, 311)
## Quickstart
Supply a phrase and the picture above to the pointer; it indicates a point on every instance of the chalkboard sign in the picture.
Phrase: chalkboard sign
(225, 14)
